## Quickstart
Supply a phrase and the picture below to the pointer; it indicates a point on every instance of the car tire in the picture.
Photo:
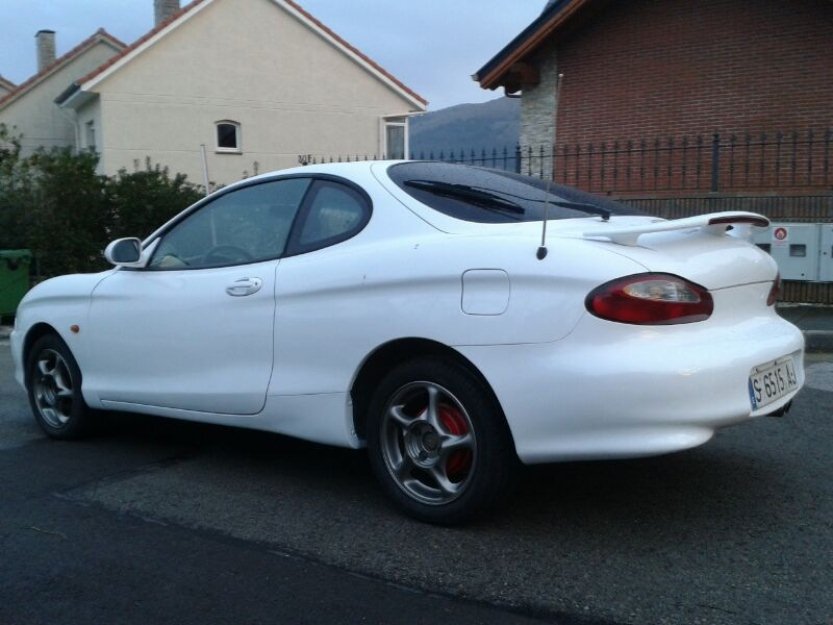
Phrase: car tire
(438, 442)
(53, 382)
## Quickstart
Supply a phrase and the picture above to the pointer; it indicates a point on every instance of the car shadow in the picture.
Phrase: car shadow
(677, 490)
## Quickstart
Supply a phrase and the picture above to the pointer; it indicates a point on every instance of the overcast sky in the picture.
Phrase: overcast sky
(433, 46)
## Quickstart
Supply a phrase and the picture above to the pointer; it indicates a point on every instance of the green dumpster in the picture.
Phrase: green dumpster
(14, 278)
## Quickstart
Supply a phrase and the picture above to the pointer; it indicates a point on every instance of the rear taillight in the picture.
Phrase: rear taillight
(774, 292)
(651, 299)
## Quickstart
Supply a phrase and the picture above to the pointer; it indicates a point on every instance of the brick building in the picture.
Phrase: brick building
(659, 69)
(682, 107)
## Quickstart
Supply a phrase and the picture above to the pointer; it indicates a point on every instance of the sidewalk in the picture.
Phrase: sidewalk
(815, 321)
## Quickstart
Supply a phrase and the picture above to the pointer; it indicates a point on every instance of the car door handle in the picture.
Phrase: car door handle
(244, 286)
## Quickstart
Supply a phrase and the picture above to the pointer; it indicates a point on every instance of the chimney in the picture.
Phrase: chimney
(45, 43)
(163, 10)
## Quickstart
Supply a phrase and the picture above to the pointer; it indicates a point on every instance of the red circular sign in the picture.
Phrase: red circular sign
(779, 234)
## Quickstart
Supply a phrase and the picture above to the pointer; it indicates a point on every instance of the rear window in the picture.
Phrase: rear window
(486, 195)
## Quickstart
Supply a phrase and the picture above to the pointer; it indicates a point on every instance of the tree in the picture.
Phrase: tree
(69, 219)
(15, 191)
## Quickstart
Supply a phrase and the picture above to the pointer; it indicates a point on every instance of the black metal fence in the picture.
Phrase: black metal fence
(505, 158)
(719, 163)
(748, 162)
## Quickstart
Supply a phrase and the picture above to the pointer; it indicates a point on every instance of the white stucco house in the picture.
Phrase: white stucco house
(29, 109)
(234, 87)
(237, 87)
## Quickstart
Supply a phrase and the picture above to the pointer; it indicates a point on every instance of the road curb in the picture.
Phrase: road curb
(818, 340)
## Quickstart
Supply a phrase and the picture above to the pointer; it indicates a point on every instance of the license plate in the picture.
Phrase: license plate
(771, 382)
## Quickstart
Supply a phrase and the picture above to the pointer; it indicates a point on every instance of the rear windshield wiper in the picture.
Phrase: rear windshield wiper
(492, 199)
(579, 206)
(476, 196)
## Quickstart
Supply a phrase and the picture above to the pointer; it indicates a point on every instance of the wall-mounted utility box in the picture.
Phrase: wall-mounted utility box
(826, 257)
(802, 251)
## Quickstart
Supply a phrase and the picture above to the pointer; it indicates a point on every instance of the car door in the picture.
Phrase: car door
(194, 329)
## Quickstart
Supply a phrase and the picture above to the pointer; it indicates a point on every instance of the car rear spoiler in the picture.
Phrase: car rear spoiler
(714, 223)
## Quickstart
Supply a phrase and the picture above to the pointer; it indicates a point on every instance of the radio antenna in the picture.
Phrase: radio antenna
(541, 254)
(542, 251)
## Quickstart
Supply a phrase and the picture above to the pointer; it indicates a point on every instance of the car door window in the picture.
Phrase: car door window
(242, 226)
(335, 212)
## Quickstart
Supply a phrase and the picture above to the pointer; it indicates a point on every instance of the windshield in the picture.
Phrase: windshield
(486, 195)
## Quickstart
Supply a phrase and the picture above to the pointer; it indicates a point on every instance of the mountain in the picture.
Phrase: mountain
(490, 125)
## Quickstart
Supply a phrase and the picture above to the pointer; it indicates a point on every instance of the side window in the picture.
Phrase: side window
(334, 213)
(243, 226)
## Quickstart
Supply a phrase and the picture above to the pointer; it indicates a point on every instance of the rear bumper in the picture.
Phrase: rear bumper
(612, 391)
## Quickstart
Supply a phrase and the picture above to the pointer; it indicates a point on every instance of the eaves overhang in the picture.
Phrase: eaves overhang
(511, 59)
(74, 97)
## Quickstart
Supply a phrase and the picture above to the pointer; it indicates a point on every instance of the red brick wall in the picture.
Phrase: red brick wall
(662, 68)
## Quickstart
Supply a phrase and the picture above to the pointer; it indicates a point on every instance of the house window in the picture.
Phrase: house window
(228, 136)
(89, 135)
(396, 138)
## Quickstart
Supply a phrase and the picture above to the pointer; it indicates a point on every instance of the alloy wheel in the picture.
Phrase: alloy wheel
(52, 388)
(428, 443)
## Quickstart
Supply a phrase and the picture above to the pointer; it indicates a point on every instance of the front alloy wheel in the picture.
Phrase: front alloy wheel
(54, 388)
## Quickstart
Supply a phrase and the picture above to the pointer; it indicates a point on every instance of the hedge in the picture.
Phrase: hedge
(55, 204)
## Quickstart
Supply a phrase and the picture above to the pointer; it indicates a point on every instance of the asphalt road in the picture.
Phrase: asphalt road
(157, 521)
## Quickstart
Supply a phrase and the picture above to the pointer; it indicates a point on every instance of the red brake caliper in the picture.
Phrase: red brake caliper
(459, 461)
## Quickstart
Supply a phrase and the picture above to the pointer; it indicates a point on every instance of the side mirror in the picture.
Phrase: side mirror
(125, 253)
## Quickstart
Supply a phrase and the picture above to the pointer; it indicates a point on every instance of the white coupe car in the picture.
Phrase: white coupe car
(452, 319)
